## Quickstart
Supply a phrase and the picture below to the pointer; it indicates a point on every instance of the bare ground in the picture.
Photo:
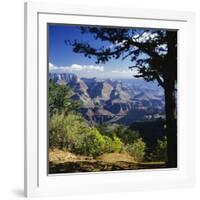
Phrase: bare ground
(66, 162)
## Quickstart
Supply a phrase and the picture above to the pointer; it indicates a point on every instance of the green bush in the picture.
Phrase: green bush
(90, 143)
(136, 149)
(125, 134)
(63, 130)
(117, 145)
(160, 152)
(112, 145)
(71, 132)
(108, 144)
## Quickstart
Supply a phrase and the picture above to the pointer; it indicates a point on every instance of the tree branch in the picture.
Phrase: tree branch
(160, 81)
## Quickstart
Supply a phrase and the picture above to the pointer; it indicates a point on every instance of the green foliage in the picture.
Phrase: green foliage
(105, 130)
(136, 149)
(117, 145)
(108, 147)
(59, 99)
(113, 145)
(125, 134)
(90, 143)
(160, 152)
(71, 132)
(63, 130)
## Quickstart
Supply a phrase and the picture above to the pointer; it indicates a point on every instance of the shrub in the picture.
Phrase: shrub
(108, 144)
(90, 143)
(117, 145)
(136, 149)
(112, 145)
(126, 135)
(160, 152)
(71, 132)
(63, 130)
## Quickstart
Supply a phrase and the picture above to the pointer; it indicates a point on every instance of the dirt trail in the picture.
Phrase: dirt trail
(66, 162)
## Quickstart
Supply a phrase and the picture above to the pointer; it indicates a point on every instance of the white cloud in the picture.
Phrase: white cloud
(121, 71)
(52, 67)
(75, 68)
(117, 72)
(93, 71)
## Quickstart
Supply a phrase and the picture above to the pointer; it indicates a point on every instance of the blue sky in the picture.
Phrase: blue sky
(63, 59)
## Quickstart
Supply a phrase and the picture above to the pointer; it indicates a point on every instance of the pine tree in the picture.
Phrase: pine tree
(153, 53)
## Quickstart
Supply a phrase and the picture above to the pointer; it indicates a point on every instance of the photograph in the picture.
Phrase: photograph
(112, 98)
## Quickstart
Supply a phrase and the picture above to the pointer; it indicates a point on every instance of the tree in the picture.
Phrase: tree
(154, 55)
(59, 99)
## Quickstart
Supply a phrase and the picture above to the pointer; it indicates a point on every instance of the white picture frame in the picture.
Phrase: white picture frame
(37, 180)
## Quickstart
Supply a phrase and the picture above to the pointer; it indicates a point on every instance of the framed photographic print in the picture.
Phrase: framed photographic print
(108, 99)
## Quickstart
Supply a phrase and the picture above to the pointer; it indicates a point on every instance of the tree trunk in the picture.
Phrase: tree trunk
(170, 99)
(171, 125)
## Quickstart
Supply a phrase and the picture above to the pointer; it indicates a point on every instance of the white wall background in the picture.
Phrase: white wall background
(11, 100)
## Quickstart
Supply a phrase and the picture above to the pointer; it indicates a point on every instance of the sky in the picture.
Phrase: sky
(62, 58)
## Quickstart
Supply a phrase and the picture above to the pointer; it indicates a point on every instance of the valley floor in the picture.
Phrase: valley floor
(66, 162)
